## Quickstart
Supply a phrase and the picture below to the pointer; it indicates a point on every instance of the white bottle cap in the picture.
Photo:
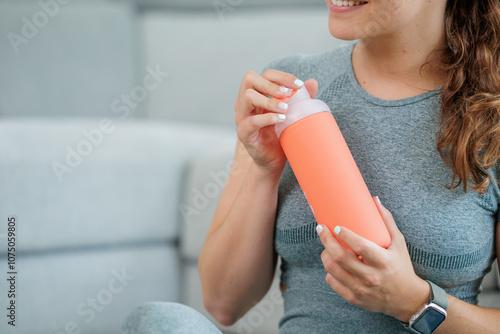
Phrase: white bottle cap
(300, 105)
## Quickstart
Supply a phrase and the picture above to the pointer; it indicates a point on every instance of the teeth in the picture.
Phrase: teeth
(343, 3)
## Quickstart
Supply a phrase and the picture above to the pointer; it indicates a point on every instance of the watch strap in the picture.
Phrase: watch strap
(438, 295)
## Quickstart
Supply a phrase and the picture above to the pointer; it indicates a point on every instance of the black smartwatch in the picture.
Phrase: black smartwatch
(431, 315)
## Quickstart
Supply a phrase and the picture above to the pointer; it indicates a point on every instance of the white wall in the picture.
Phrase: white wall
(71, 59)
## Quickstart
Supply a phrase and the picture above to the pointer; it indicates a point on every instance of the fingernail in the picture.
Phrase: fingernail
(319, 229)
(378, 200)
(282, 117)
(299, 83)
(283, 106)
(336, 230)
(283, 89)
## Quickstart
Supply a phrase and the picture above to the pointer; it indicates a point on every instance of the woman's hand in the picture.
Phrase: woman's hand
(384, 281)
(255, 128)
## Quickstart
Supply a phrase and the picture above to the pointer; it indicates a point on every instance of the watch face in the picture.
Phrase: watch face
(429, 321)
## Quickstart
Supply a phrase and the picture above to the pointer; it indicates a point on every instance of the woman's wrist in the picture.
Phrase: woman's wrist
(266, 175)
(417, 295)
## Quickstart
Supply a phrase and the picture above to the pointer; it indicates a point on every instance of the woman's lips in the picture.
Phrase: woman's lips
(339, 6)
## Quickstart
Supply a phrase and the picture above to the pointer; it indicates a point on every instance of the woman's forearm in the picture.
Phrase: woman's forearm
(238, 262)
(467, 318)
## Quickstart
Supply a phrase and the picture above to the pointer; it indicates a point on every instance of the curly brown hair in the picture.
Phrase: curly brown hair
(468, 139)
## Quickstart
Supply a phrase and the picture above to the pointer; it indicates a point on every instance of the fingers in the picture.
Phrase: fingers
(265, 86)
(254, 97)
(286, 79)
(312, 87)
(345, 270)
(339, 254)
(368, 250)
(396, 235)
(253, 100)
(336, 276)
(249, 127)
(340, 288)
(257, 105)
(271, 82)
(256, 93)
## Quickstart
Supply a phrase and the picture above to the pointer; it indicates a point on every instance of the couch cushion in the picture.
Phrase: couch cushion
(119, 186)
(93, 290)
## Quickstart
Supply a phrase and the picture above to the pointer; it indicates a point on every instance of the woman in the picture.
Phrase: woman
(419, 68)
(418, 101)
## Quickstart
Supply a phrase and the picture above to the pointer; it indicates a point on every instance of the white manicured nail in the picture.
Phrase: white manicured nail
(283, 89)
(282, 117)
(319, 229)
(283, 106)
(336, 230)
(299, 83)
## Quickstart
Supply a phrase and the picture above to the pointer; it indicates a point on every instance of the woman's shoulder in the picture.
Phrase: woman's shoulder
(324, 67)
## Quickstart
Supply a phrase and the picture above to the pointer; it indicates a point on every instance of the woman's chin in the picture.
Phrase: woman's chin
(343, 32)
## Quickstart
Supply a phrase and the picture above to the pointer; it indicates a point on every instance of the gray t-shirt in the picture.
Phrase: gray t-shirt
(449, 233)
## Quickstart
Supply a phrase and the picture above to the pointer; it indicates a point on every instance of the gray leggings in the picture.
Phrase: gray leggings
(166, 318)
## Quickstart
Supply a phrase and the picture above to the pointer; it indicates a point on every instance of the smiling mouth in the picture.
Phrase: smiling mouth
(341, 3)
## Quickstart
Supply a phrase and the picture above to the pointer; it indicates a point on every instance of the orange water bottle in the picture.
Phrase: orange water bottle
(326, 170)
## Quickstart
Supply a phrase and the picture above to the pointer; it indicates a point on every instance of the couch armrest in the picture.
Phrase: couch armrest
(491, 280)
(490, 296)
(203, 183)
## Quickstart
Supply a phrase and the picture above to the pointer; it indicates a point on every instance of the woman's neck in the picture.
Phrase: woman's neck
(390, 67)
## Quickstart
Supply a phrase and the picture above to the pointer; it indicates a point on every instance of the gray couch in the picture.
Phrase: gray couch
(116, 136)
